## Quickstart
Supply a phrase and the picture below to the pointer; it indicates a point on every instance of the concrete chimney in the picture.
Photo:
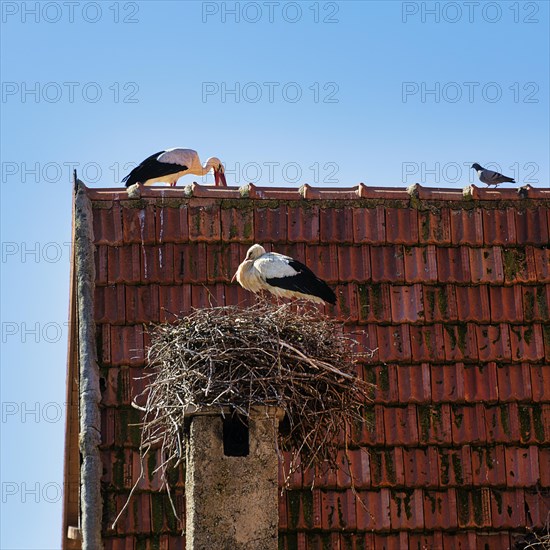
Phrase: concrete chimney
(232, 481)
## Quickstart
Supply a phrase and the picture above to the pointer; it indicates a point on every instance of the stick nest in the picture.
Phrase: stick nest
(228, 358)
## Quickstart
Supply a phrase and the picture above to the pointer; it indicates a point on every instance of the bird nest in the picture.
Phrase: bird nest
(232, 359)
(535, 539)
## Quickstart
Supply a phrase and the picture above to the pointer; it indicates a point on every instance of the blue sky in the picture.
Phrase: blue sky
(326, 93)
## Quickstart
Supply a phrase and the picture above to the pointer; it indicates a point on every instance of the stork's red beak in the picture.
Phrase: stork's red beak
(234, 277)
(219, 176)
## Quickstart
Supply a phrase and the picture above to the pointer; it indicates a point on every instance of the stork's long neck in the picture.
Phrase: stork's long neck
(206, 167)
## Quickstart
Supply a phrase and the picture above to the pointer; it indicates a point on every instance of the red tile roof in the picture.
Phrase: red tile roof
(451, 290)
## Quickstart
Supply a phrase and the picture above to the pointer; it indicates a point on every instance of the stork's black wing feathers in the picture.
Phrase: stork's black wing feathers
(305, 281)
(151, 168)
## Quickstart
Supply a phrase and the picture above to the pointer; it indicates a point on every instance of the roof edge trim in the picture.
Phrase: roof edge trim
(89, 390)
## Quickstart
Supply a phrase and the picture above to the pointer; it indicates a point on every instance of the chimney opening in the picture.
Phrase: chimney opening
(235, 436)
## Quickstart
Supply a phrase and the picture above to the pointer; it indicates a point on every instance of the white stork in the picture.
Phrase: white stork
(169, 165)
(282, 276)
(489, 177)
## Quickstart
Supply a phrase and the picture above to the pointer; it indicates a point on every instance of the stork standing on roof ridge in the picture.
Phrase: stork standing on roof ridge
(282, 276)
(169, 165)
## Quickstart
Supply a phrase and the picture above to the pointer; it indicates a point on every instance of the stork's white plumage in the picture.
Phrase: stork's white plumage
(282, 276)
(169, 165)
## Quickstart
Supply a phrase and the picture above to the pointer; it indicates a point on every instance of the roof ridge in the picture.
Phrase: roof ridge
(308, 192)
